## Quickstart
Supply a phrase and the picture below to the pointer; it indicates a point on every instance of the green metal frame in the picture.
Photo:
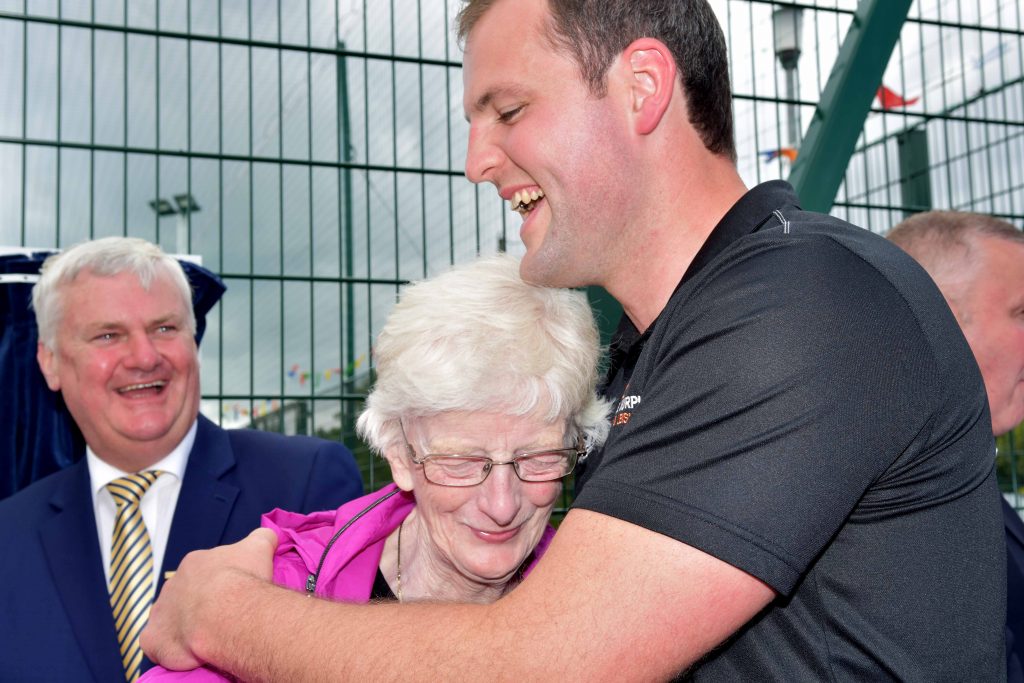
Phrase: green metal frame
(915, 178)
(607, 311)
(845, 102)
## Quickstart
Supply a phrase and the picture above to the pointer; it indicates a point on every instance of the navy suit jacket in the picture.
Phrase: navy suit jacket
(1014, 594)
(55, 618)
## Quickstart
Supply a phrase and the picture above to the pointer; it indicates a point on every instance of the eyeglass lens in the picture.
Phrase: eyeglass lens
(469, 471)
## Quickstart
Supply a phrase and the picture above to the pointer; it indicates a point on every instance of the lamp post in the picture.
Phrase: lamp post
(788, 24)
(181, 205)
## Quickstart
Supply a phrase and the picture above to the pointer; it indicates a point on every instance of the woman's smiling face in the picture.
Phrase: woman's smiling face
(484, 532)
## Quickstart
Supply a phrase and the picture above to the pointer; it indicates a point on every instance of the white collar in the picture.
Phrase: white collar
(102, 473)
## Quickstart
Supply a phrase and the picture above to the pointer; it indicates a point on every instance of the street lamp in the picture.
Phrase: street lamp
(788, 25)
(182, 206)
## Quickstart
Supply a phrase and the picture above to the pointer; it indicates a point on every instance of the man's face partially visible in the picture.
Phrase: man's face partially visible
(992, 317)
(537, 132)
(126, 365)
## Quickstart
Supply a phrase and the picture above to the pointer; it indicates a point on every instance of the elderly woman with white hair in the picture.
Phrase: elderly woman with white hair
(484, 400)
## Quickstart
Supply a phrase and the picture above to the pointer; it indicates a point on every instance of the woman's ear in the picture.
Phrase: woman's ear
(652, 82)
(401, 466)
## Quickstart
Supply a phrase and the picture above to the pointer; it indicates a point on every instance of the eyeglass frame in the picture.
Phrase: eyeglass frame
(578, 453)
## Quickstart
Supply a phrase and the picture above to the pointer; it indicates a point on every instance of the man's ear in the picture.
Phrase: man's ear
(652, 82)
(401, 466)
(50, 366)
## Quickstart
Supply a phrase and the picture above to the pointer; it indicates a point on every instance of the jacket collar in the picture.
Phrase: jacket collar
(72, 550)
(205, 501)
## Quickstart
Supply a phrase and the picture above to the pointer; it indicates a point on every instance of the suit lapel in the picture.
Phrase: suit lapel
(205, 502)
(73, 554)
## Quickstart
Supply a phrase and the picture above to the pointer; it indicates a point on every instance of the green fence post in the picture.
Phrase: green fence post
(845, 102)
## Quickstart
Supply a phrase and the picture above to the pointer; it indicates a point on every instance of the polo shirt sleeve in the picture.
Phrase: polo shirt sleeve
(776, 388)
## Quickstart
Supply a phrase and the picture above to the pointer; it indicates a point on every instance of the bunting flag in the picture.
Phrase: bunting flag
(351, 368)
(771, 155)
(259, 409)
(297, 373)
(887, 99)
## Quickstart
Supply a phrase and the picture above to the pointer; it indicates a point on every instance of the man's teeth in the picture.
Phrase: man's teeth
(522, 200)
(148, 385)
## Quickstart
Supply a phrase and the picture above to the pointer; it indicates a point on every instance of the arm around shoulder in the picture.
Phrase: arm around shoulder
(629, 603)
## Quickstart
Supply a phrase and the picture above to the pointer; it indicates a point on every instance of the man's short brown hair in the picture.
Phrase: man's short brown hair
(594, 32)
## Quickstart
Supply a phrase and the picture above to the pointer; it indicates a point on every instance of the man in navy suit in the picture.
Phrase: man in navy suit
(978, 263)
(116, 331)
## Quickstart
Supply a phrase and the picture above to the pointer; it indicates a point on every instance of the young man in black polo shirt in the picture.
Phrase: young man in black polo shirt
(799, 482)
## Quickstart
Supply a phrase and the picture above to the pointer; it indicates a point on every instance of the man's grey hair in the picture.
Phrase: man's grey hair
(105, 257)
(943, 243)
(478, 338)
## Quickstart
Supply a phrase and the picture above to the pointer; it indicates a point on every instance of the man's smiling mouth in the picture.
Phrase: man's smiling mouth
(523, 201)
(158, 385)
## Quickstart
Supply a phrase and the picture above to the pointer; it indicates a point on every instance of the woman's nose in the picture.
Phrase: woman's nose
(501, 494)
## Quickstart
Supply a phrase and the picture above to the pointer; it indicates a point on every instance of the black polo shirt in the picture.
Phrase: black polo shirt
(806, 409)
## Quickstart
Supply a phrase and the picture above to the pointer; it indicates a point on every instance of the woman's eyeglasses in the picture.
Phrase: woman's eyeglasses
(470, 470)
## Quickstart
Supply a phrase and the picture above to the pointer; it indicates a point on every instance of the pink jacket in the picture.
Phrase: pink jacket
(353, 537)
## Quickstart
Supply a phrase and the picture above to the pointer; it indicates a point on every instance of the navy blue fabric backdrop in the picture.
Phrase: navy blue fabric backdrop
(40, 436)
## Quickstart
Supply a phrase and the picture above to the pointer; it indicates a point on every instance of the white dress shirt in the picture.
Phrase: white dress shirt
(157, 504)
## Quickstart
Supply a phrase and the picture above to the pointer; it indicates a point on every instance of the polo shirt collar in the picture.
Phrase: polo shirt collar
(748, 215)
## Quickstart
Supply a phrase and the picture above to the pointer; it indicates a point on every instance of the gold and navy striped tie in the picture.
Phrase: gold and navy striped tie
(131, 567)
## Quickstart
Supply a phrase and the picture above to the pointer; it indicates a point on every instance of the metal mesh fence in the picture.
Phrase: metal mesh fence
(311, 152)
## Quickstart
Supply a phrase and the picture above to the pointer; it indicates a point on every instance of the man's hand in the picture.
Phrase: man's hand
(183, 620)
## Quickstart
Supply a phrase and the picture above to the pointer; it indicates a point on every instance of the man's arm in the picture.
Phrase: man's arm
(622, 601)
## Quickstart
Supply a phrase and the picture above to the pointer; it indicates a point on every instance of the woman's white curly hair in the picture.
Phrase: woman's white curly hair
(478, 338)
